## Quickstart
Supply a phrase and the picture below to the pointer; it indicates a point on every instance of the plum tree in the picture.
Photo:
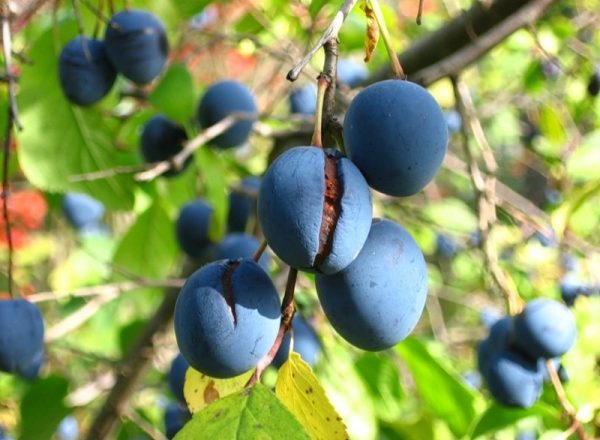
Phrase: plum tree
(222, 99)
(227, 317)
(161, 139)
(303, 100)
(314, 208)
(191, 228)
(377, 300)
(21, 338)
(545, 329)
(242, 206)
(86, 74)
(396, 134)
(239, 245)
(176, 376)
(306, 343)
(136, 43)
(82, 210)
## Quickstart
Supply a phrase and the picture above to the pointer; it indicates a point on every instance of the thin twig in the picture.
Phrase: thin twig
(387, 40)
(189, 147)
(322, 83)
(485, 187)
(260, 251)
(330, 122)
(105, 289)
(332, 31)
(287, 313)
(576, 425)
(144, 425)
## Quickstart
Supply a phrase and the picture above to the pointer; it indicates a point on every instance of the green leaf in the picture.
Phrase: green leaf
(174, 95)
(253, 413)
(551, 124)
(149, 248)
(60, 140)
(561, 217)
(584, 163)
(442, 389)
(189, 9)
(42, 408)
(212, 170)
(453, 214)
(498, 417)
(382, 378)
(129, 333)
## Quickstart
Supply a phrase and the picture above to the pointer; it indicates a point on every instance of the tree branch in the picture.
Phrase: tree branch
(135, 363)
(465, 39)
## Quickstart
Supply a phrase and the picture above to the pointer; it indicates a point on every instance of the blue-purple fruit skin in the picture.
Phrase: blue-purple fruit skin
(162, 139)
(351, 72)
(85, 76)
(220, 100)
(136, 43)
(21, 338)
(545, 329)
(191, 228)
(303, 100)
(306, 343)
(82, 210)
(176, 415)
(396, 134)
(513, 379)
(498, 339)
(176, 376)
(378, 299)
(290, 209)
(68, 429)
(239, 245)
(208, 336)
(242, 206)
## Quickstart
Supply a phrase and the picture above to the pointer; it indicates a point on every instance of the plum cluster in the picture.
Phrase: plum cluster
(512, 358)
(21, 338)
(84, 213)
(135, 45)
(315, 210)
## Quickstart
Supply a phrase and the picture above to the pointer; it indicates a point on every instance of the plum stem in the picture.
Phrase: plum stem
(567, 407)
(260, 251)
(287, 314)
(329, 120)
(420, 12)
(322, 83)
(387, 40)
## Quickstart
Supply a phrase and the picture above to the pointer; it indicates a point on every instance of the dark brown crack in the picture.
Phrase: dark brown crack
(332, 207)
(232, 265)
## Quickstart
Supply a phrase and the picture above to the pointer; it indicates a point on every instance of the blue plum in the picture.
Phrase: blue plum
(303, 100)
(545, 329)
(314, 208)
(593, 86)
(499, 338)
(68, 429)
(513, 379)
(473, 379)
(241, 205)
(378, 299)
(192, 226)
(239, 245)
(220, 100)
(86, 75)
(488, 317)
(176, 415)
(176, 376)
(82, 210)
(227, 317)
(136, 44)
(162, 139)
(306, 343)
(396, 134)
(351, 72)
(453, 121)
(445, 245)
(21, 338)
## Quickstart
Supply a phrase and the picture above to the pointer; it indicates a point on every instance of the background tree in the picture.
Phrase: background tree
(512, 215)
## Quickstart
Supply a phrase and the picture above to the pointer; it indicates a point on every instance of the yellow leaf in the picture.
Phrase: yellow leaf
(298, 388)
(200, 390)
